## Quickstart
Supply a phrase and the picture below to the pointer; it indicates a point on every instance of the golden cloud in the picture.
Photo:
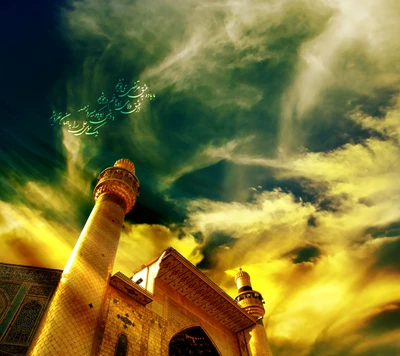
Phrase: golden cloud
(314, 303)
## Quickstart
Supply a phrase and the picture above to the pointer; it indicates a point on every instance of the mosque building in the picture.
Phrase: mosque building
(168, 307)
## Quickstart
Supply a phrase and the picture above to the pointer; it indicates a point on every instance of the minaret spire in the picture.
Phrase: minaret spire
(252, 302)
(71, 322)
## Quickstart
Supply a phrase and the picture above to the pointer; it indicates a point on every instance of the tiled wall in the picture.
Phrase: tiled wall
(70, 324)
(24, 295)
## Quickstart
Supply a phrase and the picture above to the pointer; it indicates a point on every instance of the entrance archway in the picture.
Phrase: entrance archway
(192, 342)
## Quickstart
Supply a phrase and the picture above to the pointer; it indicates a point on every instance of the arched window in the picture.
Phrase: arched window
(24, 323)
(192, 342)
(122, 346)
(118, 174)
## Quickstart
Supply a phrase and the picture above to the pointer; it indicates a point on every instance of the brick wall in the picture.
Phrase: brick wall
(149, 329)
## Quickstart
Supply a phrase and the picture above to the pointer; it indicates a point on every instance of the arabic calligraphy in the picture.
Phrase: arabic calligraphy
(125, 100)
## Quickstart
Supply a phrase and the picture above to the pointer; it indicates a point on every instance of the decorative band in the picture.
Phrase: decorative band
(113, 198)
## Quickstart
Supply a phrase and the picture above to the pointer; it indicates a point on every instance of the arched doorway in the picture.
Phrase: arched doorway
(192, 342)
(122, 346)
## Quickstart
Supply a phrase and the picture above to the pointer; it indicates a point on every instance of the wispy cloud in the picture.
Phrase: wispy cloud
(356, 50)
(275, 233)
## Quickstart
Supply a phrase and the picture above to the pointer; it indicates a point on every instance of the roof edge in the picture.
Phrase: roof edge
(207, 280)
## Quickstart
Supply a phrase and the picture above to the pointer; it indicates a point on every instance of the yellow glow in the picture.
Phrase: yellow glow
(31, 239)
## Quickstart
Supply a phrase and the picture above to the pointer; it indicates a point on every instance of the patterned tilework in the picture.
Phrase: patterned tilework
(21, 329)
(42, 276)
(198, 289)
(242, 344)
(24, 295)
(8, 290)
(73, 318)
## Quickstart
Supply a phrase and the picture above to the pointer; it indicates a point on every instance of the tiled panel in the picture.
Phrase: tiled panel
(205, 298)
(26, 292)
(167, 264)
(214, 304)
(23, 324)
(14, 273)
(183, 280)
(197, 292)
(192, 288)
(183, 277)
(174, 273)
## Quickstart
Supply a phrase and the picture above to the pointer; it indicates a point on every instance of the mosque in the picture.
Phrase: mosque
(168, 307)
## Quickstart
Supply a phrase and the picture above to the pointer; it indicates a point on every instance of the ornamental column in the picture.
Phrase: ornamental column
(71, 322)
(252, 302)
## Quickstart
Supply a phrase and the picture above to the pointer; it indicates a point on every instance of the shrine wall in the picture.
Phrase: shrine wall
(149, 329)
(25, 293)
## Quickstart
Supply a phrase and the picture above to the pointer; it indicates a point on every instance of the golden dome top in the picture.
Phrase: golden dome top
(242, 273)
(125, 163)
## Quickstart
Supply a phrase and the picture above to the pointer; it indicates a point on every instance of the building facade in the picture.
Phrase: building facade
(168, 307)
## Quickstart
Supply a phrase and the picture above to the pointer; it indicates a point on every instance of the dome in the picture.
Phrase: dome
(241, 274)
(125, 163)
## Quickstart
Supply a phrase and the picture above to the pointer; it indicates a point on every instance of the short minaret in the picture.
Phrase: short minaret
(72, 321)
(252, 302)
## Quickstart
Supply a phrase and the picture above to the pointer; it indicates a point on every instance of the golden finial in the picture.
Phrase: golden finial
(125, 163)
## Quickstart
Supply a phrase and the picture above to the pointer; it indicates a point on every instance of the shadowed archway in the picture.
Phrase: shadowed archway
(121, 348)
(192, 342)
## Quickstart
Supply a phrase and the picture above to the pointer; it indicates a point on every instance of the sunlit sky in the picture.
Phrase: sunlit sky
(272, 144)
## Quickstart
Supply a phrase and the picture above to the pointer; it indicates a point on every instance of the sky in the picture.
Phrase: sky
(265, 135)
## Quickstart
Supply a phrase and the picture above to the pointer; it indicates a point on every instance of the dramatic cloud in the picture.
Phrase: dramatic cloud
(357, 51)
(305, 267)
(272, 145)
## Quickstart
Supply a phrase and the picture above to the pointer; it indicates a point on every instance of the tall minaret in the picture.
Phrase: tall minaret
(252, 302)
(72, 320)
